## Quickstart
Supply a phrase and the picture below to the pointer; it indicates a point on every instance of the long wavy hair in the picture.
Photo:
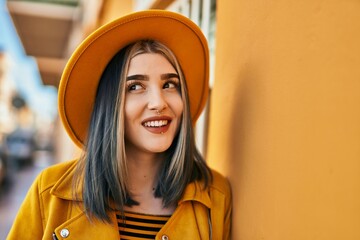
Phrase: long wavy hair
(101, 173)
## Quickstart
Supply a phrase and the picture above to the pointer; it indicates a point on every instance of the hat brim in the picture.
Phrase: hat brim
(81, 76)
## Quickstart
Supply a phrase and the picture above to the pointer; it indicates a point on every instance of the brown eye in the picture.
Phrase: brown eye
(171, 84)
(135, 86)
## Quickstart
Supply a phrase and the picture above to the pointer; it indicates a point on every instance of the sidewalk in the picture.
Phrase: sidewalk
(11, 200)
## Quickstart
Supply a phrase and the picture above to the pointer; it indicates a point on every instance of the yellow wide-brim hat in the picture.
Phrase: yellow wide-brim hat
(81, 76)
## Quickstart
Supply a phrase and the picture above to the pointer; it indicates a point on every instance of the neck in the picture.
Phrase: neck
(143, 171)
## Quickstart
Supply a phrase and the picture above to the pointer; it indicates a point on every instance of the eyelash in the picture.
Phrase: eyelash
(174, 82)
(133, 83)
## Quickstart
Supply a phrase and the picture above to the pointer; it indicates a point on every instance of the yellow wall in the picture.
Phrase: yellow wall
(285, 117)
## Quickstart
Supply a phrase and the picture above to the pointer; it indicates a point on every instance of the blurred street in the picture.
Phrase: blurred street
(14, 192)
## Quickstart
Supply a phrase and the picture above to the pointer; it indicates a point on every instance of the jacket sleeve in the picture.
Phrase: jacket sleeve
(28, 222)
(228, 214)
(221, 209)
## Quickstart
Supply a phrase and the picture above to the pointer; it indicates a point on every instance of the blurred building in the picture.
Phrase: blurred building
(5, 112)
(49, 32)
(7, 91)
(15, 116)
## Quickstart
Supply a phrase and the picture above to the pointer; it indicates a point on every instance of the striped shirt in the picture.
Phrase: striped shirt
(140, 226)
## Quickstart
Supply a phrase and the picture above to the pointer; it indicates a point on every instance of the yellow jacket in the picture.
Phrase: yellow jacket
(49, 208)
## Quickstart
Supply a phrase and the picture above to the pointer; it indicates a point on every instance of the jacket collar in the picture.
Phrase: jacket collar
(196, 192)
(63, 189)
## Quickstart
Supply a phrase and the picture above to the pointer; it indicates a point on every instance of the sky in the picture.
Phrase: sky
(23, 70)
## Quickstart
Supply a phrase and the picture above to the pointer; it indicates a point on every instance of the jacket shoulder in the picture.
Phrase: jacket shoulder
(220, 183)
(221, 209)
(51, 175)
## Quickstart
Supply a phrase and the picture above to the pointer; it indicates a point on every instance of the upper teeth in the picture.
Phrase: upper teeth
(159, 123)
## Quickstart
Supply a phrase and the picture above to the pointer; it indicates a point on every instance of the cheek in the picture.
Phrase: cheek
(129, 120)
(131, 108)
(129, 117)
(178, 110)
(178, 105)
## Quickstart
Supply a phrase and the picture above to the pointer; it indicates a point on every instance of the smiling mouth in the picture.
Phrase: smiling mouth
(156, 124)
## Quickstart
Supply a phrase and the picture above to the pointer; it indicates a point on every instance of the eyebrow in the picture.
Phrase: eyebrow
(137, 77)
(142, 77)
(169, 75)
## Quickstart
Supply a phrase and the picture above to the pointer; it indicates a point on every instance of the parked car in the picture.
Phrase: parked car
(4, 172)
(3, 169)
(19, 147)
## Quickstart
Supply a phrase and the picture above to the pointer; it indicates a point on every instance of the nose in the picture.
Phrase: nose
(157, 100)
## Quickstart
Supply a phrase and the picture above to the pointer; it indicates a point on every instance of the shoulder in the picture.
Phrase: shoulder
(51, 175)
(220, 183)
(221, 206)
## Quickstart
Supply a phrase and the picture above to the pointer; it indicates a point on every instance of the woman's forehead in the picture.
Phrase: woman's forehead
(150, 63)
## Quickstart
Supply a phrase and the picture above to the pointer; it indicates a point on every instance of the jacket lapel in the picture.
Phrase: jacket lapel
(63, 187)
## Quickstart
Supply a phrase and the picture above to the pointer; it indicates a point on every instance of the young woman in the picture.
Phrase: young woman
(129, 97)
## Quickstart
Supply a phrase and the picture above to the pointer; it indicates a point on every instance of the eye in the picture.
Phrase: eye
(171, 84)
(134, 86)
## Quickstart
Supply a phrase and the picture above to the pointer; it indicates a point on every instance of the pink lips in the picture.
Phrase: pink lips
(162, 122)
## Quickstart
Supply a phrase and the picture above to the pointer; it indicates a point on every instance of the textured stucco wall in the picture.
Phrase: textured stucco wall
(285, 117)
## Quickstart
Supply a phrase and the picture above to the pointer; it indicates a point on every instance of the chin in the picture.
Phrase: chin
(158, 149)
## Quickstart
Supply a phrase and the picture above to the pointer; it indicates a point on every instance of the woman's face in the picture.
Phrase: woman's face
(153, 104)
